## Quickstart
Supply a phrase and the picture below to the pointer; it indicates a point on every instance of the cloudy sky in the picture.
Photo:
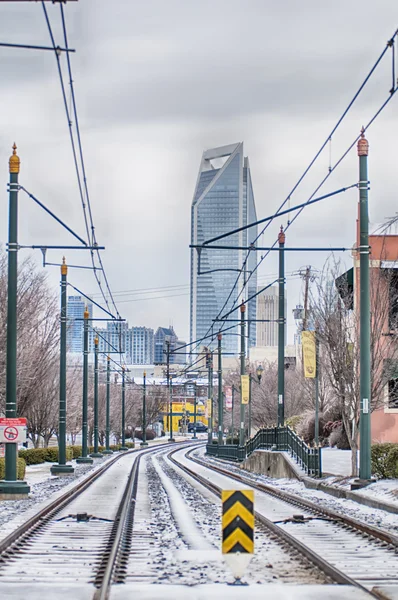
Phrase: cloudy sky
(159, 81)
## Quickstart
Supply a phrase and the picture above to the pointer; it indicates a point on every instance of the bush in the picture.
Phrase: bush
(131, 444)
(52, 454)
(76, 451)
(306, 427)
(339, 438)
(34, 456)
(21, 466)
(385, 460)
(292, 422)
(150, 434)
(234, 440)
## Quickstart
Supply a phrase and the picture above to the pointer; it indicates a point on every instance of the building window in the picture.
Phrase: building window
(393, 393)
(393, 285)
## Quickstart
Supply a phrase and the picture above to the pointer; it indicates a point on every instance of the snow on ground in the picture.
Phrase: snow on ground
(336, 462)
(373, 516)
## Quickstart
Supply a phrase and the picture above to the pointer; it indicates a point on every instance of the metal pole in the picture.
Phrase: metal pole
(170, 390)
(194, 412)
(123, 446)
(108, 405)
(316, 390)
(364, 307)
(96, 454)
(84, 458)
(62, 468)
(220, 398)
(250, 406)
(242, 372)
(209, 357)
(144, 442)
(11, 488)
(232, 414)
(281, 331)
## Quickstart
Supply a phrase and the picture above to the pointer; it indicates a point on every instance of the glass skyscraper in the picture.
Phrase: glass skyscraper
(223, 201)
(75, 310)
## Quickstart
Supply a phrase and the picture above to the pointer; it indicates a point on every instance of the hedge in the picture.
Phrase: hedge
(36, 456)
(385, 460)
(21, 466)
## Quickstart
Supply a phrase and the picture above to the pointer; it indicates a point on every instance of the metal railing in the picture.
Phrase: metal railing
(273, 438)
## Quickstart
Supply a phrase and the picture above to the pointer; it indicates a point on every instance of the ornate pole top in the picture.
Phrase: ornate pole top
(363, 144)
(64, 267)
(14, 161)
(219, 336)
(86, 313)
(281, 236)
(144, 373)
(95, 341)
(108, 358)
(242, 308)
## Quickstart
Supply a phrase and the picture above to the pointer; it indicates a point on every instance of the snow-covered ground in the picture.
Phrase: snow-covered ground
(336, 462)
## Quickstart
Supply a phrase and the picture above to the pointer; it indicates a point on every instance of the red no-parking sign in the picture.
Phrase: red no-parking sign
(12, 431)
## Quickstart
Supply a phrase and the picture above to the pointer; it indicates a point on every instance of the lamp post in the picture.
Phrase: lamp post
(10, 487)
(281, 330)
(96, 454)
(242, 372)
(259, 373)
(194, 410)
(108, 402)
(220, 396)
(209, 360)
(144, 442)
(364, 311)
(169, 389)
(123, 446)
(62, 468)
(84, 458)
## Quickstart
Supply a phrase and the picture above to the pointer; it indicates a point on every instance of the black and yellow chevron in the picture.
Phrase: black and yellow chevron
(238, 521)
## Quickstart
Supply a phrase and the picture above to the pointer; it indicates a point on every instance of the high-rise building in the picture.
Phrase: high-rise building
(223, 201)
(75, 315)
(268, 309)
(142, 346)
(162, 334)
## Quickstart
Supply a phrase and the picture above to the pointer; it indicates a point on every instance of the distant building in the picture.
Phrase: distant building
(268, 309)
(162, 334)
(142, 345)
(75, 310)
(223, 200)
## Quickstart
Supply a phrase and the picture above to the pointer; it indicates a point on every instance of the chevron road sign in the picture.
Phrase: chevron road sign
(238, 521)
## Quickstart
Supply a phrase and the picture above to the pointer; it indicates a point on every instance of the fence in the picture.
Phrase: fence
(273, 438)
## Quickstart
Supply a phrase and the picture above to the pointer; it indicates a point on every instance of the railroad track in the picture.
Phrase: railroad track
(346, 550)
(83, 537)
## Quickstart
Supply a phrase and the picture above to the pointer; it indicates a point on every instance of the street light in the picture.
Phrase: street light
(259, 372)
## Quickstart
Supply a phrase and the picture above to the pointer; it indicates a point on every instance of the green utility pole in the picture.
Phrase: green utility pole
(220, 398)
(242, 372)
(62, 468)
(170, 390)
(281, 331)
(10, 487)
(84, 458)
(123, 446)
(232, 415)
(209, 360)
(96, 454)
(316, 389)
(194, 411)
(364, 307)
(108, 406)
(144, 442)
(250, 406)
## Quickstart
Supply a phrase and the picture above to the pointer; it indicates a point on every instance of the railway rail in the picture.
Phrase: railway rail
(347, 550)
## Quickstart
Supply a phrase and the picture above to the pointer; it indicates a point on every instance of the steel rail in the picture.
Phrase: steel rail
(335, 574)
(370, 530)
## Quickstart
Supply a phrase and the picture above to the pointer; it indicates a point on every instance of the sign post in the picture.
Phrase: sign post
(12, 431)
(237, 529)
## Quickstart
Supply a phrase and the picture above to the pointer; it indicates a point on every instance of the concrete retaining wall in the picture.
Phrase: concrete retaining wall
(273, 464)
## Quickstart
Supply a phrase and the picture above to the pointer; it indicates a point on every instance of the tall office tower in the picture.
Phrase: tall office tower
(162, 334)
(142, 345)
(268, 309)
(112, 340)
(223, 201)
(75, 310)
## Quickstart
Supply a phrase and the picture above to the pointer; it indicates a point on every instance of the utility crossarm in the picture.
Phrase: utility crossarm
(264, 248)
(278, 214)
(30, 47)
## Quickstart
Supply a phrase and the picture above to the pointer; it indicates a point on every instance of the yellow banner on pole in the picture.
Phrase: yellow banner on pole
(244, 382)
(208, 409)
(309, 353)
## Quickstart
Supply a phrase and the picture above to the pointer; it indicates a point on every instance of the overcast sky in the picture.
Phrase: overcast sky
(159, 81)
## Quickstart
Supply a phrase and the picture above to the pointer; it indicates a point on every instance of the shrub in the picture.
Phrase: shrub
(305, 427)
(76, 451)
(21, 467)
(33, 456)
(232, 440)
(292, 422)
(52, 454)
(150, 434)
(130, 444)
(385, 460)
(339, 438)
